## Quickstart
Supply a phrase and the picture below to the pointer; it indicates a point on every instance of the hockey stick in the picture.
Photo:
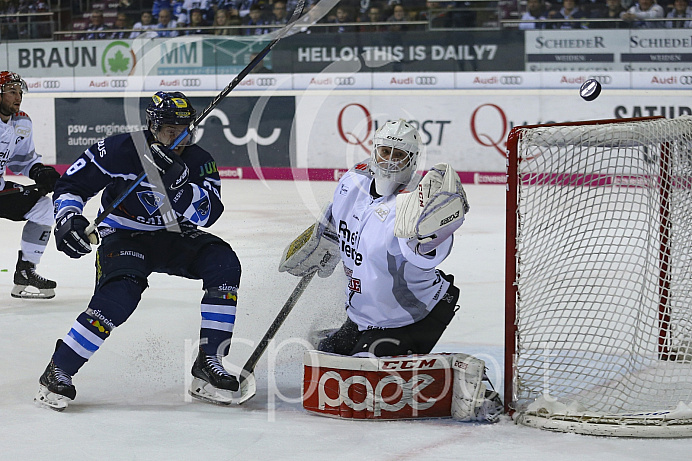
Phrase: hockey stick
(248, 385)
(91, 228)
(19, 190)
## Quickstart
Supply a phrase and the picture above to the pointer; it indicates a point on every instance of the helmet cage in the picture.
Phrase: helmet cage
(9, 78)
(169, 108)
(395, 155)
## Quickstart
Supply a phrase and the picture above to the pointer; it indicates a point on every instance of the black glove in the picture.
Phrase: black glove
(45, 176)
(70, 235)
(174, 172)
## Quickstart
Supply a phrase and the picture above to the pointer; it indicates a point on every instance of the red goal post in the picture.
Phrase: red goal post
(598, 295)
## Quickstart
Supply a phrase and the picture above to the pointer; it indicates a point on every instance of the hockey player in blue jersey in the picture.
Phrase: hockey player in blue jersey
(155, 229)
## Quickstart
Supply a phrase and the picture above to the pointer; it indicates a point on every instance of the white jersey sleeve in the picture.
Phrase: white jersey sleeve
(17, 152)
(389, 285)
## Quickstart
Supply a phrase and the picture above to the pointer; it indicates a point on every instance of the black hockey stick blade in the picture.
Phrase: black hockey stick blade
(248, 386)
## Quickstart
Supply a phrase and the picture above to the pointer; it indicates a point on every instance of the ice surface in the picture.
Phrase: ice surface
(131, 397)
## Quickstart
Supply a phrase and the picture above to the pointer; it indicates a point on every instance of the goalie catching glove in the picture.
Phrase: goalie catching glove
(316, 249)
(427, 218)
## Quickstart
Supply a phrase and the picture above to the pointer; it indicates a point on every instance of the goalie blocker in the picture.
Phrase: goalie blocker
(402, 387)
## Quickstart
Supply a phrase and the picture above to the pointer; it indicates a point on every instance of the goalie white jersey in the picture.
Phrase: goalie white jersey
(389, 286)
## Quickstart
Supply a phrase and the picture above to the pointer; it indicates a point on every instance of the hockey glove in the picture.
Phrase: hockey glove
(316, 249)
(45, 176)
(427, 218)
(174, 172)
(70, 235)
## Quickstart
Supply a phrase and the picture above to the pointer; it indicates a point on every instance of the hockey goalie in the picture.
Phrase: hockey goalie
(391, 229)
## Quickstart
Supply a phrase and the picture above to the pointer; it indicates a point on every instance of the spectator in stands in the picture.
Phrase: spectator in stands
(8, 24)
(223, 18)
(398, 16)
(308, 19)
(166, 22)
(197, 23)
(374, 14)
(255, 18)
(681, 10)
(535, 10)
(436, 16)
(146, 23)
(279, 15)
(96, 27)
(569, 10)
(638, 14)
(205, 7)
(121, 22)
(610, 10)
(343, 15)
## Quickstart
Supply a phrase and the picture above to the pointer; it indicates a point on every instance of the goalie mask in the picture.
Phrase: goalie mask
(394, 156)
(169, 108)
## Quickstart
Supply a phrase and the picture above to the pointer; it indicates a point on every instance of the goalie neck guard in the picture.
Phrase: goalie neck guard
(395, 156)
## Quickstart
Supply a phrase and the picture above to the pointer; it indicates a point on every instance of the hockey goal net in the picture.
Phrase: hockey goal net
(599, 277)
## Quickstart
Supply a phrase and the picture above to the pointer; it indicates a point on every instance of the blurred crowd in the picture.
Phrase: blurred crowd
(169, 18)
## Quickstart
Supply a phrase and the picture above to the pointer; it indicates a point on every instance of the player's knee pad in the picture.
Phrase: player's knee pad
(117, 298)
(220, 269)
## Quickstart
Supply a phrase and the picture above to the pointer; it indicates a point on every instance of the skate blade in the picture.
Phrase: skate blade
(204, 391)
(20, 291)
(47, 399)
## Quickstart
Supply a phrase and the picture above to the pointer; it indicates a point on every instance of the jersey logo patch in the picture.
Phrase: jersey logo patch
(354, 285)
(382, 212)
(151, 200)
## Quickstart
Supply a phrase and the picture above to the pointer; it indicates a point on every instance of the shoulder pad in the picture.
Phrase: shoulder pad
(362, 168)
(21, 115)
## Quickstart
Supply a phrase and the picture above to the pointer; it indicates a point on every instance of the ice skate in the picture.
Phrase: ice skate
(211, 382)
(28, 284)
(55, 387)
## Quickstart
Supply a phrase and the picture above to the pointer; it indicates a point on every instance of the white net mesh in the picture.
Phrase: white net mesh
(604, 266)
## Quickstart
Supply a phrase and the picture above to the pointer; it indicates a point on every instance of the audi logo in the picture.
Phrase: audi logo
(192, 82)
(602, 79)
(511, 80)
(266, 81)
(686, 79)
(52, 84)
(426, 80)
(119, 83)
(345, 81)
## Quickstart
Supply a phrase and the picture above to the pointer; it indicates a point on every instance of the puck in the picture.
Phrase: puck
(590, 90)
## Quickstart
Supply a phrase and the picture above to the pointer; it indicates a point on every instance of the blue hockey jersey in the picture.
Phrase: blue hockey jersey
(113, 163)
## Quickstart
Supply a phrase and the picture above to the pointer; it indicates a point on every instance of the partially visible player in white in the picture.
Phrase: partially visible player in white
(391, 230)
(28, 204)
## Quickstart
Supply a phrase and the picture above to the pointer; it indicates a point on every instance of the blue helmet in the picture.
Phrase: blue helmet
(169, 108)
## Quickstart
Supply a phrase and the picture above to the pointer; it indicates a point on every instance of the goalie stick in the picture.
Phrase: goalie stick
(248, 385)
(91, 228)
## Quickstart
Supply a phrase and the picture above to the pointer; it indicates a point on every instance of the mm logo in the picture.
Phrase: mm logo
(175, 53)
(118, 59)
